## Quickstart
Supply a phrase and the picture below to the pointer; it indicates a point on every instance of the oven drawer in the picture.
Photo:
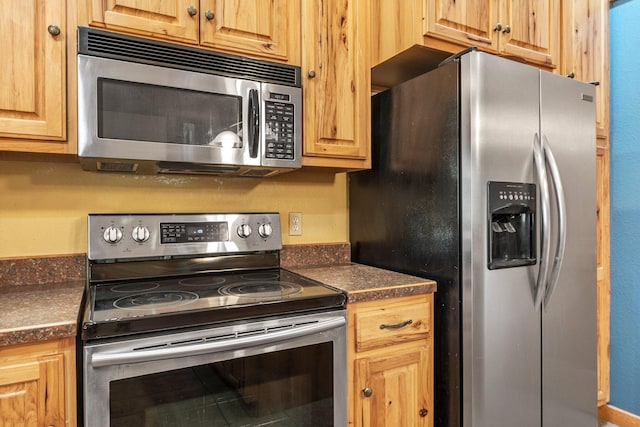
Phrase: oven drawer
(379, 324)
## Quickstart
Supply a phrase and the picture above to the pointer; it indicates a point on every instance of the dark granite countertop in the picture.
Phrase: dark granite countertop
(34, 313)
(41, 298)
(366, 283)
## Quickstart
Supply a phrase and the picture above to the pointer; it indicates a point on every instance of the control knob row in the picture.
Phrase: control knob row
(113, 234)
(264, 230)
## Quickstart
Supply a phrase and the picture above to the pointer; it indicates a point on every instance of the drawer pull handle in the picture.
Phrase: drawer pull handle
(397, 325)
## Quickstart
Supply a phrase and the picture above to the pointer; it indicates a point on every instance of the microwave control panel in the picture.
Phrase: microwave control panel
(280, 130)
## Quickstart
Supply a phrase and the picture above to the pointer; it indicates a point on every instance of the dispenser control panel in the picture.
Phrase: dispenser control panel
(511, 224)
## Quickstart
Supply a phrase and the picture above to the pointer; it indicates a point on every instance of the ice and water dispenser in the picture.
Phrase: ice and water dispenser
(512, 224)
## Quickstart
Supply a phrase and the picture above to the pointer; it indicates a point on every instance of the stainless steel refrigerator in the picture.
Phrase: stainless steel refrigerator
(483, 178)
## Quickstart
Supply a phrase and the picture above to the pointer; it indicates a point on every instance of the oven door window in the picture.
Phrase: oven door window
(146, 112)
(291, 387)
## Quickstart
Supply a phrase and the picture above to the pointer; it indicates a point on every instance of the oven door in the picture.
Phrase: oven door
(134, 111)
(289, 371)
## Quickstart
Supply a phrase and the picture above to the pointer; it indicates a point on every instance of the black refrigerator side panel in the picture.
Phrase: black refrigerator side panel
(404, 212)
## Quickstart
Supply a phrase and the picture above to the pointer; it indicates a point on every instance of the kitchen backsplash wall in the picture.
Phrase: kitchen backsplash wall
(45, 204)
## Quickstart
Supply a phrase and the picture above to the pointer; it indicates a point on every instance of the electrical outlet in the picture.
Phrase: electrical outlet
(295, 223)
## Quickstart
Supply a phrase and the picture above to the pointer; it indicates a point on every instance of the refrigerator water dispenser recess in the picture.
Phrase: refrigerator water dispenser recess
(511, 224)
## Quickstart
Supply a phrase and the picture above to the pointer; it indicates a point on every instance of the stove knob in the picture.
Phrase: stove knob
(265, 230)
(112, 234)
(140, 234)
(244, 230)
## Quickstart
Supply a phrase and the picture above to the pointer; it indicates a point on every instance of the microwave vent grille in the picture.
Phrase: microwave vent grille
(118, 46)
(116, 167)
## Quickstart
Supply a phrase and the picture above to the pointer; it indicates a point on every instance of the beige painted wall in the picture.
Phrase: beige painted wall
(44, 205)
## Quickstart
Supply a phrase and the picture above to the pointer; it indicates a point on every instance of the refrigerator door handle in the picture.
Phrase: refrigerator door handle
(545, 232)
(562, 221)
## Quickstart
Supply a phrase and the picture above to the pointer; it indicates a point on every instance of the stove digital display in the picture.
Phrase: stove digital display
(194, 232)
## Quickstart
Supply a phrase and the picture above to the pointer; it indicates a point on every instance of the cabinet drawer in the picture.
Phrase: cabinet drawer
(392, 324)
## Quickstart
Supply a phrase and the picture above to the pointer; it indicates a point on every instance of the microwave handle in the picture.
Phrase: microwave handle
(254, 123)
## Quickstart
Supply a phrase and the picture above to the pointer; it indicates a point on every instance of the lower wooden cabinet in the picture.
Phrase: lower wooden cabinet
(37, 384)
(390, 360)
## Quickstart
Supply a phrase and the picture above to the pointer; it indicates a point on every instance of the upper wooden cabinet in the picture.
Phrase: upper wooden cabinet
(33, 89)
(525, 29)
(336, 84)
(268, 29)
(586, 52)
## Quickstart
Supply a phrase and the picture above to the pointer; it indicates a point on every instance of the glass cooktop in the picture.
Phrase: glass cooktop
(158, 304)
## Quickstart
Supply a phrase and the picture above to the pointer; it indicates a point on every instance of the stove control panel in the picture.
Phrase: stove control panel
(122, 236)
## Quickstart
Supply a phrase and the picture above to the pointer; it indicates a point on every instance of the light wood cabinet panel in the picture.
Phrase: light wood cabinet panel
(586, 51)
(470, 23)
(268, 29)
(390, 374)
(394, 28)
(336, 84)
(603, 282)
(37, 384)
(585, 57)
(399, 388)
(164, 19)
(392, 324)
(264, 28)
(534, 31)
(527, 30)
(33, 76)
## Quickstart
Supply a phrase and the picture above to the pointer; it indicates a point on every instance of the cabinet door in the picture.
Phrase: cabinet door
(393, 389)
(522, 28)
(532, 33)
(175, 20)
(263, 28)
(336, 83)
(470, 23)
(32, 71)
(32, 392)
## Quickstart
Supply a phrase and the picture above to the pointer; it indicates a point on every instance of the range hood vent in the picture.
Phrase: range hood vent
(107, 44)
(117, 166)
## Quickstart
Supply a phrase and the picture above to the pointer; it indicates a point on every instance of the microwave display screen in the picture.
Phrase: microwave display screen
(279, 96)
(145, 112)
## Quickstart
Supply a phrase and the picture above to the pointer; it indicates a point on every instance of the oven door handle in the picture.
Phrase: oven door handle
(170, 352)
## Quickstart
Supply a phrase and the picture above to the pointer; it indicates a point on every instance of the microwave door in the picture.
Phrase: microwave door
(157, 114)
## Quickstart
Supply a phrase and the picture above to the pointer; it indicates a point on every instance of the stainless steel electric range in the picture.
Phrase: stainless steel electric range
(190, 321)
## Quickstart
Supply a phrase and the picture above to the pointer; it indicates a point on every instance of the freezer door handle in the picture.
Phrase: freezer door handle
(545, 232)
(562, 221)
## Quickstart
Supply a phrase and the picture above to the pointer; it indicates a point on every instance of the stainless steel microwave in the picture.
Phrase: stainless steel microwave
(152, 107)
